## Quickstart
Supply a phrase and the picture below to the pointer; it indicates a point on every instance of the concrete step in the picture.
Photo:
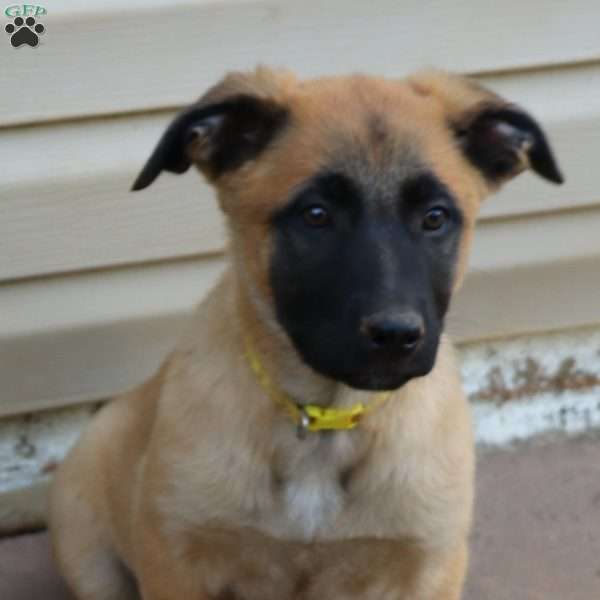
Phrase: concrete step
(537, 524)
(536, 533)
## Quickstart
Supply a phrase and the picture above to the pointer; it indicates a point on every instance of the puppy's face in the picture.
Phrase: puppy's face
(362, 271)
(352, 203)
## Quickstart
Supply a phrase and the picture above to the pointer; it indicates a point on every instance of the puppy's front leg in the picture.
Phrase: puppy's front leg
(214, 564)
(453, 571)
(385, 570)
(366, 569)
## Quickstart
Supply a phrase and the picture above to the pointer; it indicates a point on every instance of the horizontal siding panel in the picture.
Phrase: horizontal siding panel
(527, 300)
(538, 239)
(101, 58)
(83, 337)
(65, 204)
(68, 339)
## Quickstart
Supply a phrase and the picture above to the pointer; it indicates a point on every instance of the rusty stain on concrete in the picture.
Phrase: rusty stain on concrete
(529, 378)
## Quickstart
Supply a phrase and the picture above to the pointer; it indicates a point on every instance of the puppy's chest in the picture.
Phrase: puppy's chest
(306, 503)
(312, 486)
(321, 488)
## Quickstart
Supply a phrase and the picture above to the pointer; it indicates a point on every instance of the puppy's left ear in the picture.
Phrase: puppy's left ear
(500, 139)
(230, 125)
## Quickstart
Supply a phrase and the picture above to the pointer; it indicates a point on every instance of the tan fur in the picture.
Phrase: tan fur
(196, 481)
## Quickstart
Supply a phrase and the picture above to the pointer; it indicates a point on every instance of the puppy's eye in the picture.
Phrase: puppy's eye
(316, 216)
(435, 218)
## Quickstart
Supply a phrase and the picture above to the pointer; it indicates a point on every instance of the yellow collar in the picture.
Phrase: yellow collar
(311, 417)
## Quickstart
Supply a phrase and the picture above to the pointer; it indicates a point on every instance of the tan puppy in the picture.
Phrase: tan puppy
(351, 203)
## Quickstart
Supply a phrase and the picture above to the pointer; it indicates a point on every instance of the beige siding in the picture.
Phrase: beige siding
(108, 56)
(95, 281)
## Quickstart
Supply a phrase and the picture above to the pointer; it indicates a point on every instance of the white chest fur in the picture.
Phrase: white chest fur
(311, 495)
(311, 502)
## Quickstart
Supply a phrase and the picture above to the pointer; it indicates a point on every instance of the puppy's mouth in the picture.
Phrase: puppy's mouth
(383, 380)
(379, 373)
(375, 383)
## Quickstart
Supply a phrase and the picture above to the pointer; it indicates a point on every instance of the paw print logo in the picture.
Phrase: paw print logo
(24, 32)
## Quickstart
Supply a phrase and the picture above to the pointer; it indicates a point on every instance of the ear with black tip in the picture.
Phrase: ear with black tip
(217, 137)
(497, 137)
(503, 140)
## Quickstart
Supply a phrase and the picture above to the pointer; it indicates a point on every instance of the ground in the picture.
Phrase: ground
(536, 533)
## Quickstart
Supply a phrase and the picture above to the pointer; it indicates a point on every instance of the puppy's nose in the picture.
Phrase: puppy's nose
(398, 331)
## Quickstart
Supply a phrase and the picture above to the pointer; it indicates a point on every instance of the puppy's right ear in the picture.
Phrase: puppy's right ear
(219, 134)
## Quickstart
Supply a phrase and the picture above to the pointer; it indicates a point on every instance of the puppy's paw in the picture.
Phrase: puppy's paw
(256, 590)
(273, 584)
(228, 593)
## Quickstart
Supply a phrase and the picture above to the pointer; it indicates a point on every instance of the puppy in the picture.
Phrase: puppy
(308, 438)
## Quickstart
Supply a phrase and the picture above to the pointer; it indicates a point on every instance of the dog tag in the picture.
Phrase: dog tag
(303, 425)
